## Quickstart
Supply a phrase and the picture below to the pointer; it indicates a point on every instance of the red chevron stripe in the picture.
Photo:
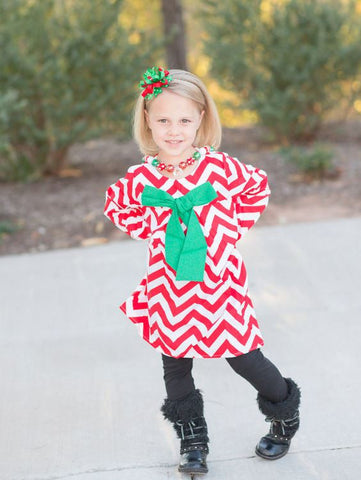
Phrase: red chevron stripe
(257, 343)
(217, 257)
(216, 177)
(236, 334)
(179, 291)
(165, 273)
(194, 315)
(158, 344)
(219, 222)
(224, 349)
(141, 319)
(175, 344)
(228, 347)
(169, 347)
(194, 300)
(122, 220)
(223, 326)
(161, 273)
(146, 172)
(247, 202)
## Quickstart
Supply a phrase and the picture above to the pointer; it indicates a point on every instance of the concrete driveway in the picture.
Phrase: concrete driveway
(80, 391)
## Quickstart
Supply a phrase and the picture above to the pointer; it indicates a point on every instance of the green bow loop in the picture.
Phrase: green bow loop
(152, 196)
(184, 253)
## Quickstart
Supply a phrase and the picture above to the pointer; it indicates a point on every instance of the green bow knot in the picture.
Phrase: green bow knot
(184, 204)
(185, 253)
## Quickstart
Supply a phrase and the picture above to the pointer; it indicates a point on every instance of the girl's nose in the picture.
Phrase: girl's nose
(173, 129)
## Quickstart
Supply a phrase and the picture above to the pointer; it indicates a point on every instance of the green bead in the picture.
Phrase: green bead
(196, 155)
(212, 149)
(155, 162)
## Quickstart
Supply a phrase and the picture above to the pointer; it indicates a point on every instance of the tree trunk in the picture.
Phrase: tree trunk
(175, 34)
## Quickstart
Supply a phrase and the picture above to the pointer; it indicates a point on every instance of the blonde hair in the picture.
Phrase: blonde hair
(189, 86)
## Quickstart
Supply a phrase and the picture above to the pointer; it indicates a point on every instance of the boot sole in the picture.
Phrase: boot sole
(192, 471)
(275, 457)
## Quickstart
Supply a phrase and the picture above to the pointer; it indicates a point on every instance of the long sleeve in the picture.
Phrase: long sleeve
(250, 191)
(124, 210)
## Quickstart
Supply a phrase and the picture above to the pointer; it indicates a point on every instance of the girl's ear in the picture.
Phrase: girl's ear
(146, 116)
(201, 118)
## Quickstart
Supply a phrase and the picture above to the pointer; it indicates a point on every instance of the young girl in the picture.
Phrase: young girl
(194, 203)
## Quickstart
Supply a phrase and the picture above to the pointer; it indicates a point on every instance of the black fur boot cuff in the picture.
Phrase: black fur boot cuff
(185, 409)
(285, 409)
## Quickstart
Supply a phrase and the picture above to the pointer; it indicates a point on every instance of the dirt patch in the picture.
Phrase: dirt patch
(68, 212)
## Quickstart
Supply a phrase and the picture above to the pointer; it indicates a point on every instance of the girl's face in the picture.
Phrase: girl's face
(174, 121)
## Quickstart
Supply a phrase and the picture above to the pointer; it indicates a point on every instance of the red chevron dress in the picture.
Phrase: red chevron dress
(208, 319)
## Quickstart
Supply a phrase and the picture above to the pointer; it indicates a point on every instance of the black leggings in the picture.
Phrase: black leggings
(252, 366)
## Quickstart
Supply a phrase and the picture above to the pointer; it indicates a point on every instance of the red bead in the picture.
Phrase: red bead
(161, 166)
(183, 165)
(170, 168)
(190, 161)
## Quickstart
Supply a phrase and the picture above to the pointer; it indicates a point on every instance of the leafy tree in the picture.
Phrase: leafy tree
(67, 73)
(287, 63)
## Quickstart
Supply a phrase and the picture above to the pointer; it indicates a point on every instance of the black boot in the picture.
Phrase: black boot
(284, 418)
(187, 418)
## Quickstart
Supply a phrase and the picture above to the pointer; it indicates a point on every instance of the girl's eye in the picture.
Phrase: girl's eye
(162, 120)
(185, 120)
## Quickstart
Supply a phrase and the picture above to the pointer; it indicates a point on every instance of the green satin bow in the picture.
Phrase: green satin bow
(184, 253)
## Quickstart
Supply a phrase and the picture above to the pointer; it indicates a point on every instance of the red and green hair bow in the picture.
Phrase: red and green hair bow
(155, 79)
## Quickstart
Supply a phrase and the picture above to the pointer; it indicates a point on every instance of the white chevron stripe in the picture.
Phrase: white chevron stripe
(196, 291)
(225, 336)
(214, 212)
(189, 341)
(217, 270)
(205, 332)
(169, 277)
(210, 351)
(213, 317)
(180, 331)
(222, 262)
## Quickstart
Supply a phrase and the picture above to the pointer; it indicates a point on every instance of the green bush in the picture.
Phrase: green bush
(7, 227)
(67, 73)
(288, 65)
(14, 164)
(315, 162)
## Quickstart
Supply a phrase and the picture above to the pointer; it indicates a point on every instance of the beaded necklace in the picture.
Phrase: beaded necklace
(176, 170)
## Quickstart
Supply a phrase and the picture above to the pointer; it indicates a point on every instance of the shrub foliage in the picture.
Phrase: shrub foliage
(316, 162)
(67, 73)
(287, 62)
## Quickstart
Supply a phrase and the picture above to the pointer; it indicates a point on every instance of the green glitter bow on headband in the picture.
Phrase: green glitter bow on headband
(155, 79)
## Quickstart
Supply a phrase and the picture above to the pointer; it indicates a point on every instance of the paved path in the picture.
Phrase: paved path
(80, 391)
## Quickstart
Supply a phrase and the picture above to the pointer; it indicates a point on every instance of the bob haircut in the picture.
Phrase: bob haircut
(189, 86)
